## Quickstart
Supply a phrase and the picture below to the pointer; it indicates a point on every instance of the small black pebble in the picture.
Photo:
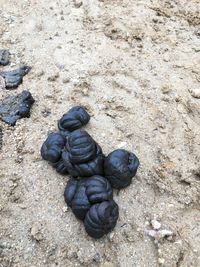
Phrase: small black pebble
(82, 155)
(4, 57)
(16, 107)
(14, 78)
(101, 218)
(80, 195)
(74, 119)
(120, 166)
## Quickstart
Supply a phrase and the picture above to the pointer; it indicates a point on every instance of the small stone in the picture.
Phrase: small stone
(195, 93)
(46, 113)
(78, 3)
(122, 145)
(156, 225)
(166, 89)
(161, 260)
(36, 231)
(111, 236)
(108, 264)
(39, 73)
(65, 209)
(53, 77)
(166, 58)
(66, 80)
(2, 83)
(97, 257)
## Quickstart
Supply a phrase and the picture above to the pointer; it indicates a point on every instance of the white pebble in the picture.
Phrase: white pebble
(156, 225)
(195, 93)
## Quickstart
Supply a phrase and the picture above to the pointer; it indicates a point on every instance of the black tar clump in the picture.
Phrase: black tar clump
(13, 108)
(74, 119)
(52, 150)
(13, 78)
(120, 166)
(89, 192)
(82, 155)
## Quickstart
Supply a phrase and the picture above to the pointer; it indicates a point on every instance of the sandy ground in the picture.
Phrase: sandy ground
(135, 65)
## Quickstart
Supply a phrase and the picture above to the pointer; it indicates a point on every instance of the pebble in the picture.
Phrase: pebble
(97, 257)
(53, 77)
(78, 3)
(161, 260)
(2, 83)
(122, 144)
(111, 236)
(66, 80)
(155, 224)
(166, 89)
(36, 231)
(195, 93)
(64, 209)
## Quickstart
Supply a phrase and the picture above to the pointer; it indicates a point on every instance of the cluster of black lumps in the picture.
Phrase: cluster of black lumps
(89, 191)
(91, 200)
(80, 195)
(16, 107)
(13, 78)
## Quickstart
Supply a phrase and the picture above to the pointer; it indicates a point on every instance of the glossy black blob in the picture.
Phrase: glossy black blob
(87, 169)
(98, 189)
(101, 218)
(51, 149)
(14, 78)
(4, 57)
(76, 198)
(74, 119)
(80, 195)
(16, 107)
(80, 146)
(120, 166)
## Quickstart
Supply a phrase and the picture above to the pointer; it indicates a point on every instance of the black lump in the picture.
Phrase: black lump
(120, 166)
(74, 119)
(16, 107)
(101, 218)
(80, 146)
(14, 78)
(51, 151)
(76, 198)
(82, 155)
(4, 57)
(80, 195)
